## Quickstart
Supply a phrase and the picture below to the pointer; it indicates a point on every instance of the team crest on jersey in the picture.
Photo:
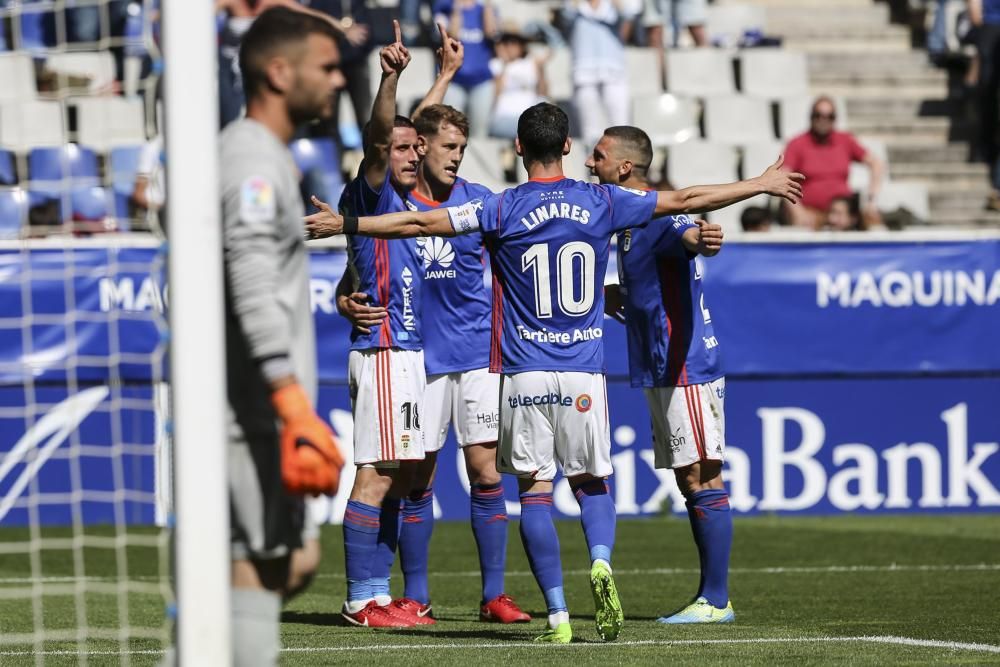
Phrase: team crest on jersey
(640, 193)
(257, 200)
(583, 402)
(626, 240)
(410, 205)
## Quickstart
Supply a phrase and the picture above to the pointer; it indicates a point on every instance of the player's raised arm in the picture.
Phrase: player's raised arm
(450, 57)
(404, 224)
(705, 198)
(393, 58)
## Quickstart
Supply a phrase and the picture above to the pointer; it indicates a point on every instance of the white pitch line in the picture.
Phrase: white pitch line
(900, 641)
(826, 569)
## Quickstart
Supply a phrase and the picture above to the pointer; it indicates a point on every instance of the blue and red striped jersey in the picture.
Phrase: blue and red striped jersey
(671, 342)
(391, 272)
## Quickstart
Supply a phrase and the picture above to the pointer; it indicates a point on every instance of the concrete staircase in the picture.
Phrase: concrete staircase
(893, 94)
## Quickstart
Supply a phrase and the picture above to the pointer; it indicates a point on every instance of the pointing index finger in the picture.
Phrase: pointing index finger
(399, 33)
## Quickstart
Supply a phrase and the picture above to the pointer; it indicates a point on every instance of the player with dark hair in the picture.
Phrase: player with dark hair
(549, 241)
(386, 365)
(279, 449)
(674, 357)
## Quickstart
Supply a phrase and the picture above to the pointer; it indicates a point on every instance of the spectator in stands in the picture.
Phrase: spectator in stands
(756, 219)
(409, 18)
(474, 23)
(825, 155)
(600, 76)
(985, 15)
(239, 16)
(843, 215)
(354, 19)
(520, 82)
(670, 17)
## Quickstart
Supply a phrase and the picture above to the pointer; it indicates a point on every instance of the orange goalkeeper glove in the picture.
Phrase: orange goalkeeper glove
(310, 457)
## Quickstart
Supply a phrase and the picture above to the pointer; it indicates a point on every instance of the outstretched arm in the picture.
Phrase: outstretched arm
(394, 59)
(404, 224)
(450, 57)
(704, 198)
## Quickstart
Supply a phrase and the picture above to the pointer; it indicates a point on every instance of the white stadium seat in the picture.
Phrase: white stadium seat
(725, 24)
(738, 119)
(27, 125)
(643, 71)
(774, 73)
(701, 163)
(668, 119)
(760, 155)
(700, 72)
(860, 177)
(909, 196)
(17, 72)
(104, 123)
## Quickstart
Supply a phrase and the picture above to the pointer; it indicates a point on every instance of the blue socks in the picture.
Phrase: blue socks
(712, 525)
(415, 542)
(542, 546)
(385, 551)
(489, 525)
(361, 529)
(597, 516)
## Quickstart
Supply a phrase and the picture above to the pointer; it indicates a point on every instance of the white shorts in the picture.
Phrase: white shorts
(548, 417)
(688, 423)
(387, 389)
(468, 400)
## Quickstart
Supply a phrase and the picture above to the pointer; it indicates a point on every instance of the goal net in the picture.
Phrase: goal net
(86, 419)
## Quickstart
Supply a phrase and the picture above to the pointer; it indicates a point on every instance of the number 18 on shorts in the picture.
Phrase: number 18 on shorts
(549, 417)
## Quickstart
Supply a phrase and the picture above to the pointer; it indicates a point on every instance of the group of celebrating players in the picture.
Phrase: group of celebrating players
(518, 373)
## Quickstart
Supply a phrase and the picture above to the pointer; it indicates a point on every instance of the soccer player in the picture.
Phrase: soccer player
(674, 356)
(279, 449)
(460, 389)
(386, 367)
(549, 241)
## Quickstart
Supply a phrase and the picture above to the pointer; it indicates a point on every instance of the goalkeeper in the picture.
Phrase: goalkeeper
(279, 449)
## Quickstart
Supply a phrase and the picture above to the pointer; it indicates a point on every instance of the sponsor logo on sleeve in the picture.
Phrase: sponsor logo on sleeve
(639, 193)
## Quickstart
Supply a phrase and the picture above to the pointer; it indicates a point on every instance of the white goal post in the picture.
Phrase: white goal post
(197, 352)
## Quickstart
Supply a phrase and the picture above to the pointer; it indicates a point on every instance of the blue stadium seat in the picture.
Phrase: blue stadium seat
(33, 30)
(13, 211)
(8, 176)
(124, 162)
(51, 170)
(319, 163)
(89, 203)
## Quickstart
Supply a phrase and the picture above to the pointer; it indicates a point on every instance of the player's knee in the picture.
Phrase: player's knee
(372, 484)
(699, 476)
(481, 465)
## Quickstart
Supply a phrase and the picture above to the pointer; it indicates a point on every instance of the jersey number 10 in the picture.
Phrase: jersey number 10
(574, 258)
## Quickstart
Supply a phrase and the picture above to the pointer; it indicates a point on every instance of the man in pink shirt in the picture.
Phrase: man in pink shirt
(825, 156)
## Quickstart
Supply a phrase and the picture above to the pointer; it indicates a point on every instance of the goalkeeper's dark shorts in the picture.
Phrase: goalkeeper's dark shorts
(265, 521)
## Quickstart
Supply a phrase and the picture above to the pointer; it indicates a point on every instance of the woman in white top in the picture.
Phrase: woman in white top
(519, 80)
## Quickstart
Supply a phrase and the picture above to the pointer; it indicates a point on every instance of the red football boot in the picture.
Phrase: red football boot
(502, 609)
(374, 616)
(420, 614)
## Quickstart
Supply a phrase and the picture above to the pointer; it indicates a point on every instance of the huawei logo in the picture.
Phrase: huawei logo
(436, 250)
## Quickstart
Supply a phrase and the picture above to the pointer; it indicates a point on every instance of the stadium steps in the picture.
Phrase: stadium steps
(800, 4)
(907, 153)
(954, 174)
(898, 129)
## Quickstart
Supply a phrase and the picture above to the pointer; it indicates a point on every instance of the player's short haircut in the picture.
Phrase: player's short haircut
(397, 121)
(433, 117)
(277, 31)
(755, 217)
(633, 145)
(542, 131)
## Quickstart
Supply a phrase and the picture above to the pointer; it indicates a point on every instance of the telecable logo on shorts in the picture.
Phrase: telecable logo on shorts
(582, 402)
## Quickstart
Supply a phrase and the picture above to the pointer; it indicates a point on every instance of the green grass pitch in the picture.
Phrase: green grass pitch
(918, 589)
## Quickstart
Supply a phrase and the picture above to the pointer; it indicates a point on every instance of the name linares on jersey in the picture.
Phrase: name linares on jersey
(556, 210)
